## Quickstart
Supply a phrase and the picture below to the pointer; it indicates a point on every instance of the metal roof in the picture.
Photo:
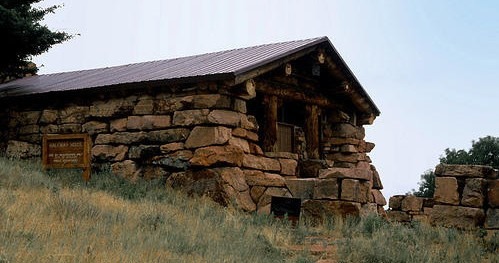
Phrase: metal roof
(216, 66)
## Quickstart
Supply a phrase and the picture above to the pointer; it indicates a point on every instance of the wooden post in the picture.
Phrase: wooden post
(270, 123)
(312, 131)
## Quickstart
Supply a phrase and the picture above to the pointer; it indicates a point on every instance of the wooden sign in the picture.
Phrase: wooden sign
(67, 151)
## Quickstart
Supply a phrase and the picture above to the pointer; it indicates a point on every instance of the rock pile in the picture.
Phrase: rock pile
(466, 196)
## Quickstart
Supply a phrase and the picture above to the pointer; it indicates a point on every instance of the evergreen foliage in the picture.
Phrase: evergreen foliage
(23, 36)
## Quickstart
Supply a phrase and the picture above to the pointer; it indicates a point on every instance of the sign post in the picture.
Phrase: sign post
(67, 151)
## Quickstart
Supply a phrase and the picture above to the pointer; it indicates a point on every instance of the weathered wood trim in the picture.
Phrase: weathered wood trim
(312, 131)
(270, 123)
(252, 73)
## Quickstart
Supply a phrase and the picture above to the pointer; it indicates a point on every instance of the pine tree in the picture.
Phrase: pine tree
(23, 37)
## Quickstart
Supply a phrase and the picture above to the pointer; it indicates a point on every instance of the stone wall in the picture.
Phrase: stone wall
(466, 196)
(202, 140)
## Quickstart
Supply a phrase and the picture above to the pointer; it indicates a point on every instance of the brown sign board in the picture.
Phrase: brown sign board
(67, 151)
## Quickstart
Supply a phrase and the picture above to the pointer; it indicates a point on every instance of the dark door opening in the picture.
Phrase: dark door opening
(282, 206)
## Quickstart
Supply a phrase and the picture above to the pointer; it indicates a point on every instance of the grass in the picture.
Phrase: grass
(55, 217)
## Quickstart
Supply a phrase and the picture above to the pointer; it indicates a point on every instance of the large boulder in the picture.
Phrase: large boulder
(354, 190)
(412, 203)
(224, 185)
(446, 190)
(457, 216)
(474, 192)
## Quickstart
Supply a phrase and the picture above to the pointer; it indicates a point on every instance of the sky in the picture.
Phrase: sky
(432, 67)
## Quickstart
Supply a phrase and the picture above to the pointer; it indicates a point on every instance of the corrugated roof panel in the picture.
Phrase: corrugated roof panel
(234, 62)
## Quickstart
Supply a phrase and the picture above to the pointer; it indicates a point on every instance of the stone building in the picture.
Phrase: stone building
(246, 126)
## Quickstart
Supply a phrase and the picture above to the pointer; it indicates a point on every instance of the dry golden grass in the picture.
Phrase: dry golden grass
(44, 220)
(56, 218)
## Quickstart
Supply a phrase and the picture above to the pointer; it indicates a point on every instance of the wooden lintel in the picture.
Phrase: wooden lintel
(293, 94)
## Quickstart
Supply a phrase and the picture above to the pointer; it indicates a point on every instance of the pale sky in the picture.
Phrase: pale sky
(432, 67)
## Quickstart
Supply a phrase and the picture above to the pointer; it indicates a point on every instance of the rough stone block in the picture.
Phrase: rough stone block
(255, 149)
(204, 136)
(492, 219)
(256, 192)
(350, 190)
(446, 191)
(118, 125)
(301, 187)
(378, 197)
(171, 147)
(376, 179)
(457, 216)
(125, 138)
(217, 155)
(148, 122)
(261, 163)
(212, 183)
(260, 178)
(73, 114)
(235, 177)
(144, 107)
(412, 203)
(321, 209)
(49, 117)
(474, 192)
(167, 136)
(211, 101)
(190, 117)
(395, 202)
(288, 166)
(95, 127)
(493, 193)
(112, 107)
(458, 170)
(348, 148)
(350, 173)
(326, 189)
(225, 117)
(248, 122)
(109, 153)
(241, 143)
(282, 155)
